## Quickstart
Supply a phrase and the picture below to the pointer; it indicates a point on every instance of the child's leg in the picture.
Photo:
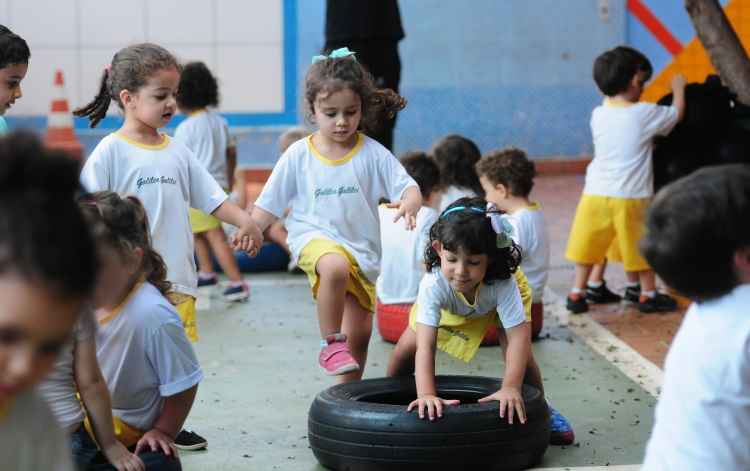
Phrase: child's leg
(357, 326)
(401, 362)
(277, 234)
(597, 272)
(582, 275)
(333, 274)
(224, 254)
(647, 280)
(203, 254)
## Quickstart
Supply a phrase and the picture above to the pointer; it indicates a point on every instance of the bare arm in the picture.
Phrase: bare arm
(95, 397)
(678, 95)
(248, 237)
(262, 218)
(167, 426)
(424, 363)
(516, 358)
(408, 206)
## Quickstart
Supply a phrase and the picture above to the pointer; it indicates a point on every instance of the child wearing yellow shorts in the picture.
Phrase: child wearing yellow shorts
(619, 179)
(469, 285)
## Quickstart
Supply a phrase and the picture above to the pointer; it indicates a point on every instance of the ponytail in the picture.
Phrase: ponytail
(97, 109)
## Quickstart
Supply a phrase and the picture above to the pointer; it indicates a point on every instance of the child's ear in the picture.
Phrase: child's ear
(135, 261)
(125, 97)
(742, 264)
(502, 190)
(437, 246)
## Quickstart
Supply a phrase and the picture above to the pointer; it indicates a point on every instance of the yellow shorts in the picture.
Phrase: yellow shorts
(613, 252)
(459, 336)
(185, 306)
(599, 221)
(202, 222)
(358, 284)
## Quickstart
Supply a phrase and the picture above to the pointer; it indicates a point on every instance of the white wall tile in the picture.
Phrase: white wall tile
(252, 78)
(109, 24)
(37, 87)
(180, 21)
(44, 23)
(256, 21)
(205, 54)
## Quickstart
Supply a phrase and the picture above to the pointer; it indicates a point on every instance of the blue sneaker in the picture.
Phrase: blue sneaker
(207, 280)
(237, 293)
(561, 432)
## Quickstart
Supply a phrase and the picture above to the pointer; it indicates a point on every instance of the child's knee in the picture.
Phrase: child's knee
(333, 267)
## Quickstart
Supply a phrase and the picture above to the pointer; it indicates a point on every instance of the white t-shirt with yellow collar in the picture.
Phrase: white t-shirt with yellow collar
(335, 199)
(530, 233)
(436, 294)
(168, 180)
(623, 143)
(206, 133)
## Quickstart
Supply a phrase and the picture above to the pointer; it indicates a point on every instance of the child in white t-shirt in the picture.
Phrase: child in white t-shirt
(471, 283)
(144, 354)
(43, 287)
(137, 159)
(507, 177)
(456, 157)
(402, 264)
(14, 63)
(698, 241)
(619, 180)
(206, 133)
(333, 180)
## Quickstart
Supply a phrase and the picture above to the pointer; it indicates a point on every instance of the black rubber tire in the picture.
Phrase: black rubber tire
(364, 426)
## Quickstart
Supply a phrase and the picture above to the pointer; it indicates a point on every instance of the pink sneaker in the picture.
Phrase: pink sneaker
(335, 358)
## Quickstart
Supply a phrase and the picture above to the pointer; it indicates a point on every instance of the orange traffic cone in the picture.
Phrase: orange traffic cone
(60, 134)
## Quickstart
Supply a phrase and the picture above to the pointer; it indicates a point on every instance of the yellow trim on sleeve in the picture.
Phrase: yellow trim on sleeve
(349, 155)
(534, 206)
(164, 143)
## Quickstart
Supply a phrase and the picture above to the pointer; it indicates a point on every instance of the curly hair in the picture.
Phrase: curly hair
(198, 87)
(122, 223)
(456, 157)
(130, 69)
(471, 231)
(423, 170)
(13, 48)
(508, 167)
(43, 236)
(331, 75)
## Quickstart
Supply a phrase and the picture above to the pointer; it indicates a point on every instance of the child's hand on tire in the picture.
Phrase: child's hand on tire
(433, 404)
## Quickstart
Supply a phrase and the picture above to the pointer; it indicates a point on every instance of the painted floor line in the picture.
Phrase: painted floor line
(625, 467)
(605, 343)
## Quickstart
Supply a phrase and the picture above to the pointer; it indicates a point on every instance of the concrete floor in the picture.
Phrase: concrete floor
(260, 362)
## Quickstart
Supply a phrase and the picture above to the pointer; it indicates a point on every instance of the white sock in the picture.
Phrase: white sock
(649, 294)
(595, 284)
(632, 284)
(204, 275)
(576, 291)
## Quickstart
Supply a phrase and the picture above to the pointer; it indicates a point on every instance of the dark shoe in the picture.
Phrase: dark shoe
(576, 303)
(659, 303)
(239, 293)
(632, 294)
(601, 295)
(189, 440)
(209, 281)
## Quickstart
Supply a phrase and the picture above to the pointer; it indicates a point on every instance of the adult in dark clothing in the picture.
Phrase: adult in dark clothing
(371, 28)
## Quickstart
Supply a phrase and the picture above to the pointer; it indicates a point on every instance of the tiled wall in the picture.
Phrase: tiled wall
(240, 40)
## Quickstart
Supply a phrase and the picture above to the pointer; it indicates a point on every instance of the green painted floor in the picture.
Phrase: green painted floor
(260, 362)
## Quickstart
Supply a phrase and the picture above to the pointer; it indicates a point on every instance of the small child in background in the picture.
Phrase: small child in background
(507, 177)
(14, 62)
(402, 264)
(698, 241)
(333, 181)
(148, 362)
(619, 179)
(43, 288)
(206, 133)
(456, 157)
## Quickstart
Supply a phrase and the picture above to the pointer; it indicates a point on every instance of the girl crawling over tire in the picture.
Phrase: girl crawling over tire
(469, 285)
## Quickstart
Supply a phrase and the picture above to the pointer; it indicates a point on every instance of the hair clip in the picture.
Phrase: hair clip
(339, 53)
(462, 208)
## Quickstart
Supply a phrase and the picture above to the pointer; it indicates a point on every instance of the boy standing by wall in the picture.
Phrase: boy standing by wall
(619, 180)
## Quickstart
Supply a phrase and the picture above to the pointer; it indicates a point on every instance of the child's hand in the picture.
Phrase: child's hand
(407, 211)
(156, 440)
(248, 238)
(123, 460)
(509, 397)
(678, 82)
(433, 404)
